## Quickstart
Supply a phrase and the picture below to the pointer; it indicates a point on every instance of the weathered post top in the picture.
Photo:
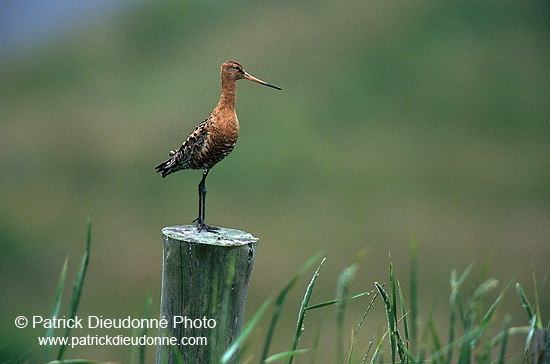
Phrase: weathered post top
(223, 236)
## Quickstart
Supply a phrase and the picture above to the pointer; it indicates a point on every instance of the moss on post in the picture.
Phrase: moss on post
(204, 285)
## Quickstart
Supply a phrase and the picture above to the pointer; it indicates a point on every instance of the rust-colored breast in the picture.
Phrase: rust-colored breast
(219, 135)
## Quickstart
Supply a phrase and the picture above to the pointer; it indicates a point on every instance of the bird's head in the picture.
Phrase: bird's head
(234, 70)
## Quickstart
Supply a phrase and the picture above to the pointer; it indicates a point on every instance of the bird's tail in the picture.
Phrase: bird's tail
(167, 167)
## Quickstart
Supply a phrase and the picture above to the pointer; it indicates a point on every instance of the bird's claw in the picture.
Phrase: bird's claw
(201, 226)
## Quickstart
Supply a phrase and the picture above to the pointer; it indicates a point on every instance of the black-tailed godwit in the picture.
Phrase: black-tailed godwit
(213, 139)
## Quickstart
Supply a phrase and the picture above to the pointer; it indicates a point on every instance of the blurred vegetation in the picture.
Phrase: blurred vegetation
(395, 119)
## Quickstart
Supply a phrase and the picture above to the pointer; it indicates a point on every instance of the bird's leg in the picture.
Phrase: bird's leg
(202, 205)
(202, 194)
(199, 217)
(202, 200)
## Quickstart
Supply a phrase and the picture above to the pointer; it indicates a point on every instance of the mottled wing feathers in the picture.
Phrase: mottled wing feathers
(208, 144)
(186, 157)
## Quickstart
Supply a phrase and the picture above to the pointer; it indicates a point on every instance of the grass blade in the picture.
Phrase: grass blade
(504, 339)
(57, 304)
(470, 330)
(230, 352)
(536, 292)
(392, 313)
(341, 292)
(458, 285)
(530, 314)
(77, 287)
(453, 307)
(487, 318)
(456, 305)
(482, 290)
(366, 312)
(439, 353)
(302, 311)
(397, 345)
(434, 335)
(389, 317)
(137, 353)
(279, 304)
(404, 316)
(368, 350)
(359, 327)
(285, 355)
(413, 249)
(377, 351)
(525, 302)
(331, 302)
(483, 272)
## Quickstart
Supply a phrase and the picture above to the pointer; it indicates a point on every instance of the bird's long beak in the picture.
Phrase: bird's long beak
(252, 78)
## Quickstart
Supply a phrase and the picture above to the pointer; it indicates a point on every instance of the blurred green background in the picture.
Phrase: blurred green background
(396, 119)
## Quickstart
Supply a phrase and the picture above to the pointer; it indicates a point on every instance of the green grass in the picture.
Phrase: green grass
(75, 298)
(279, 305)
(137, 354)
(472, 323)
(475, 333)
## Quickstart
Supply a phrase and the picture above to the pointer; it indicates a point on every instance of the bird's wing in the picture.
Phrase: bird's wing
(188, 155)
(194, 144)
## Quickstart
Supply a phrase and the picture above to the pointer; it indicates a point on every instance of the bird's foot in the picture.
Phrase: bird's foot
(210, 229)
(201, 226)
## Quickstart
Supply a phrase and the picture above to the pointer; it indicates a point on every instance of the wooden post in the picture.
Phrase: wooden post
(204, 285)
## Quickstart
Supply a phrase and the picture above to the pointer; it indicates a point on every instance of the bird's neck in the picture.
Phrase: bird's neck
(229, 94)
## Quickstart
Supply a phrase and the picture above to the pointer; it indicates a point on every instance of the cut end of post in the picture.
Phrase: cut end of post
(222, 237)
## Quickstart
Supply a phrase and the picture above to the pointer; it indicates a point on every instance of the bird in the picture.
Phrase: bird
(213, 139)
